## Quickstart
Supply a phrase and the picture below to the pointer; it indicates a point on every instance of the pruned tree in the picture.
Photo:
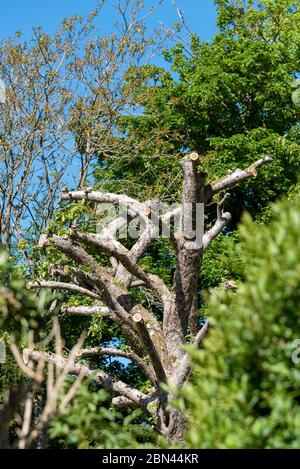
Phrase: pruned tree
(155, 345)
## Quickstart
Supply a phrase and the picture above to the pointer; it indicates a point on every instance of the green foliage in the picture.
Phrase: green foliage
(19, 312)
(220, 261)
(246, 386)
(90, 423)
(10, 373)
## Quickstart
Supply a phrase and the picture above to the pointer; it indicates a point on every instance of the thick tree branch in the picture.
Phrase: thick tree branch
(141, 362)
(85, 310)
(154, 355)
(104, 197)
(193, 190)
(225, 183)
(183, 371)
(121, 303)
(104, 282)
(116, 226)
(189, 252)
(77, 276)
(136, 252)
(113, 248)
(63, 286)
(115, 296)
(124, 402)
(116, 312)
(99, 377)
(222, 220)
(125, 217)
(218, 227)
(235, 177)
(201, 334)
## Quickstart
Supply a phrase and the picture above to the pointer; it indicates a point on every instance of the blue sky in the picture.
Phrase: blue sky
(22, 15)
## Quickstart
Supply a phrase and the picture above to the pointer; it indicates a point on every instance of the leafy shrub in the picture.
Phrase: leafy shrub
(246, 389)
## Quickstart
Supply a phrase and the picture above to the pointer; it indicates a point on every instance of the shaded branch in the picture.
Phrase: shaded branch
(114, 295)
(182, 373)
(155, 356)
(120, 303)
(124, 402)
(136, 252)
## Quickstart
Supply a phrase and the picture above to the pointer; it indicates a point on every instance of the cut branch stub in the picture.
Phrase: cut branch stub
(194, 156)
(137, 317)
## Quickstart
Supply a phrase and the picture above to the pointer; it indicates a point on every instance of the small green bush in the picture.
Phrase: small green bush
(246, 389)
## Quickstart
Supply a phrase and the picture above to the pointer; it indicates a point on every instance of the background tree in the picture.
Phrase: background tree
(34, 129)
